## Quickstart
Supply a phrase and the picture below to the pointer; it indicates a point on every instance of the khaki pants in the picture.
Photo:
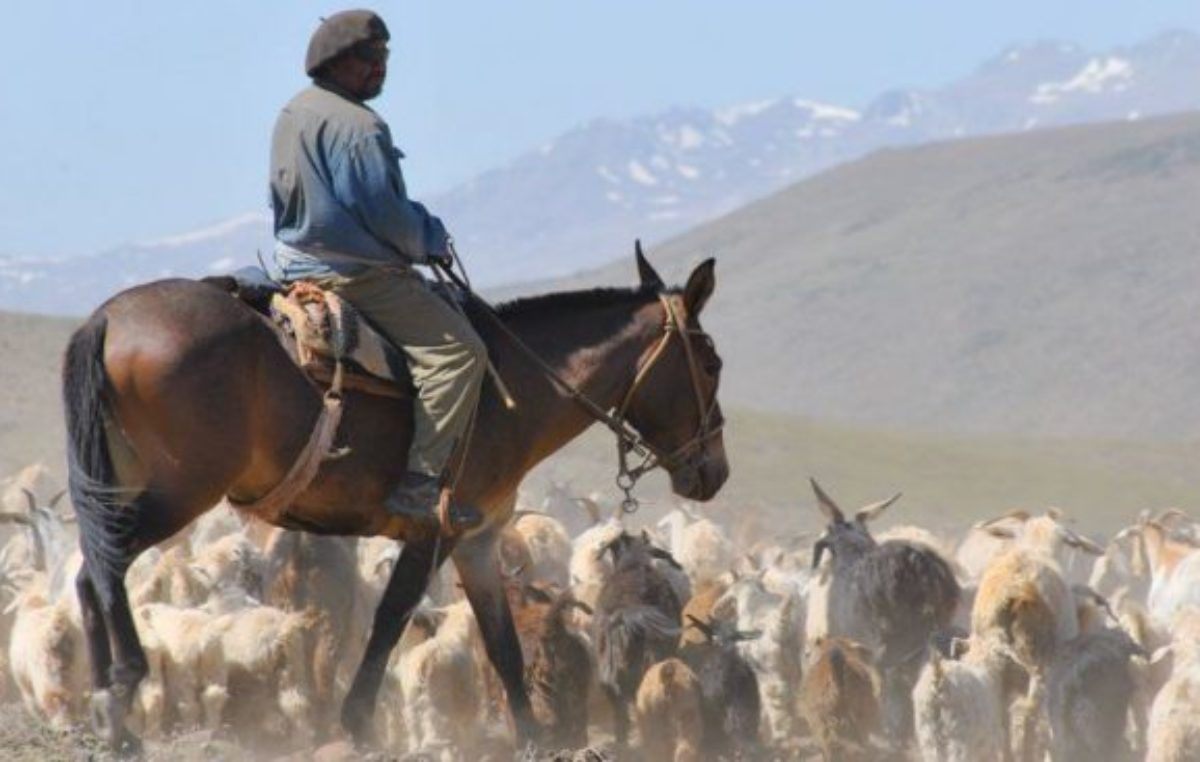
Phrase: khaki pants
(446, 357)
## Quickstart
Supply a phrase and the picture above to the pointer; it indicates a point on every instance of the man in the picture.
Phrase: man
(343, 219)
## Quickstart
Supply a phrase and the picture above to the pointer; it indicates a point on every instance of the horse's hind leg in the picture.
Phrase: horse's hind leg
(118, 661)
(409, 580)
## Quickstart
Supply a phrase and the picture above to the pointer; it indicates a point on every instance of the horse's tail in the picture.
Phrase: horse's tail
(103, 527)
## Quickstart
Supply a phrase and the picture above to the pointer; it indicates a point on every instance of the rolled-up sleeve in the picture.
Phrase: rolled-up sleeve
(371, 186)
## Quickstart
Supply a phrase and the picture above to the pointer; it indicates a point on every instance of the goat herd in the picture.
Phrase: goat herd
(1024, 640)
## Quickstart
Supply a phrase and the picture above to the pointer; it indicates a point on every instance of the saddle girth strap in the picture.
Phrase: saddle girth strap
(304, 469)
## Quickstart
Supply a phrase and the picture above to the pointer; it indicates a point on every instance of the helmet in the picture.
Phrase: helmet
(339, 33)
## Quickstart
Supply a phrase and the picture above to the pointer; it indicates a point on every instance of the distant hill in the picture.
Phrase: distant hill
(1042, 284)
(31, 427)
(577, 201)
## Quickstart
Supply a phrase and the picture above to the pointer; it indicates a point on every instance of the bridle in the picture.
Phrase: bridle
(629, 441)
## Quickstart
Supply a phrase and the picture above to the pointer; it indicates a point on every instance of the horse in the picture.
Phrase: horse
(178, 394)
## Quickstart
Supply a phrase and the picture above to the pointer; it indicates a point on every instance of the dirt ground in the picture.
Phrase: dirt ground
(24, 739)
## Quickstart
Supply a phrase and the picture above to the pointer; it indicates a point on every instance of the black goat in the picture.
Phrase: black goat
(636, 623)
(729, 699)
(891, 597)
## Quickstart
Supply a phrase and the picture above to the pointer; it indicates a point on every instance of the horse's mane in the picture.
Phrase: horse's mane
(552, 304)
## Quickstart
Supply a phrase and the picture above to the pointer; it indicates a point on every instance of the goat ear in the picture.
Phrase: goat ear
(700, 286)
(15, 518)
(1019, 514)
(825, 503)
(647, 274)
(875, 510)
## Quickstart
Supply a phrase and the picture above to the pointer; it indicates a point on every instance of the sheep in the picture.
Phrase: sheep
(1174, 571)
(590, 568)
(577, 514)
(701, 547)
(729, 695)
(839, 699)
(167, 577)
(46, 655)
(439, 680)
(1088, 697)
(890, 597)
(1046, 534)
(548, 545)
(558, 666)
(305, 571)
(702, 606)
(188, 654)
(1025, 603)
(269, 684)
(776, 656)
(960, 707)
(1174, 726)
(635, 623)
(668, 713)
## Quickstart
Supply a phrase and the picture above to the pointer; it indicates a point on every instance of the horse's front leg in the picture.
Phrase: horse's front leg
(410, 577)
(476, 564)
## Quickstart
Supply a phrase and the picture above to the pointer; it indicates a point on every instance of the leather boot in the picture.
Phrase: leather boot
(418, 497)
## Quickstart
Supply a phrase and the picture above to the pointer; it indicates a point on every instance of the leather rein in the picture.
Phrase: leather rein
(629, 441)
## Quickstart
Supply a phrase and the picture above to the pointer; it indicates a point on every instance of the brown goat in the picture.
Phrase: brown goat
(839, 699)
(558, 666)
(668, 713)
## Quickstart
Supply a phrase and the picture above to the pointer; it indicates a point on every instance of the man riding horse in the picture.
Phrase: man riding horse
(343, 220)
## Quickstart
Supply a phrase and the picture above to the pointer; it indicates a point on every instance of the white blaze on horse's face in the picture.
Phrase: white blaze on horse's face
(676, 408)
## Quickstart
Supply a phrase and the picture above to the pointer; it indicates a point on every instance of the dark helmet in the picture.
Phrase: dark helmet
(339, 33)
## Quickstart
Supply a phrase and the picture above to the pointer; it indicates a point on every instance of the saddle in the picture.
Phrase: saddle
(318, 328)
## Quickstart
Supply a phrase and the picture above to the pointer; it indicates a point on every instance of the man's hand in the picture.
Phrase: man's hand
(441, 258)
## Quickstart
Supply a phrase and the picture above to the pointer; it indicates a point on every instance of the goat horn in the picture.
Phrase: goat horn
(58, 496)
(1169, 514)
(31, 499)
(589, 505)
(872, 511)
(1017, 513)
(826, 504)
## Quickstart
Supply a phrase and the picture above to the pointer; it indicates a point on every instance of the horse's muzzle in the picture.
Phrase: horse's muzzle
(700, 478)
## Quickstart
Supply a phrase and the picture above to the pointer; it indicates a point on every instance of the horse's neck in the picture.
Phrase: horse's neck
(597, 352)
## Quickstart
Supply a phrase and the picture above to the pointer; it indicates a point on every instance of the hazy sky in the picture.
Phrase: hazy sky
(124, 120)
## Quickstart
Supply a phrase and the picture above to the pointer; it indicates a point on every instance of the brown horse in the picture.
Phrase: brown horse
(178, 394)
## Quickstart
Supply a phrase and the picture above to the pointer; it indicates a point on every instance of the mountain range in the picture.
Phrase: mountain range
(579, 200)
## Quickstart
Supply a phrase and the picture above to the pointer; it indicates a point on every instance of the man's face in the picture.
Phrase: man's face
(362, 70)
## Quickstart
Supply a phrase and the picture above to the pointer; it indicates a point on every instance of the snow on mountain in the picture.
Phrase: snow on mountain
(582, 198)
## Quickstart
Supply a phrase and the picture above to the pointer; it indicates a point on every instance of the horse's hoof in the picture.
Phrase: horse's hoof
(359, 728)
(102, 711)
(127, 745)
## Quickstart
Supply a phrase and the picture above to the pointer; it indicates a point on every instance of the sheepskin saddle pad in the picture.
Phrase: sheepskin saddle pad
(323, 328)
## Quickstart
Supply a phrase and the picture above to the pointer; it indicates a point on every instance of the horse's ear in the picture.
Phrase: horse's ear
(700, 286)
(646, 273)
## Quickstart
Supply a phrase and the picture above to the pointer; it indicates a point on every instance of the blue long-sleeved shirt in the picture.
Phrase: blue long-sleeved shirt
(337, 192)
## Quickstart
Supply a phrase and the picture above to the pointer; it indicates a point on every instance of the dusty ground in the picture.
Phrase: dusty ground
(23, 739)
